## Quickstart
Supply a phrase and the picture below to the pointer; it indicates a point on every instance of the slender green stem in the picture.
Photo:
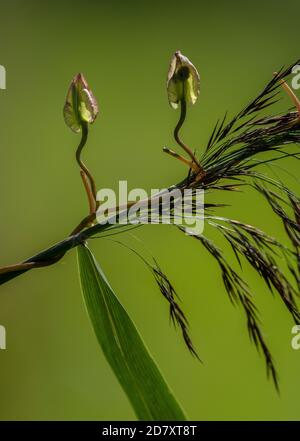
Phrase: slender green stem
(90, 196)
(176, 133)
(88, 182)
(83, 167)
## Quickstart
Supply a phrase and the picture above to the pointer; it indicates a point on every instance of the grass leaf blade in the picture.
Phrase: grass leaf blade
(123, 347)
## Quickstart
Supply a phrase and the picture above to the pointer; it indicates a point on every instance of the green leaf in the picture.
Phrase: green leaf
(139, 376)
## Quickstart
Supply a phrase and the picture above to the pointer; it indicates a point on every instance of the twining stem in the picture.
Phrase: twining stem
(193, 164)
(83, 167)
(176, 134)
(25, 266)
(91, 199)
(88, 182)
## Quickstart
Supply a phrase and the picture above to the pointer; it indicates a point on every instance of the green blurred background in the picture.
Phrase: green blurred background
(53, 367)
